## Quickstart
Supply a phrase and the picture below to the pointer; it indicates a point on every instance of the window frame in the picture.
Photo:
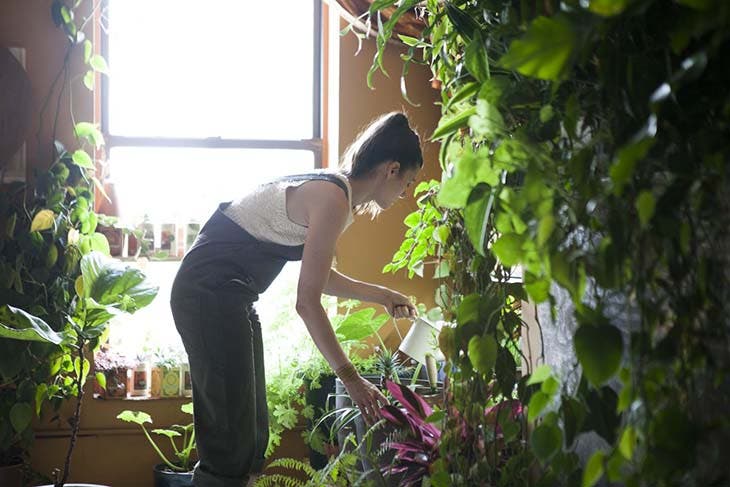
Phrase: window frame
(316, 144)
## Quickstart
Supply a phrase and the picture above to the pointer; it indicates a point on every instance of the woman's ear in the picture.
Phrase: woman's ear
(393, 168)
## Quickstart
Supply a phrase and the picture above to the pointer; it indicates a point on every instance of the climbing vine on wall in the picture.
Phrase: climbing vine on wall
(587, 144)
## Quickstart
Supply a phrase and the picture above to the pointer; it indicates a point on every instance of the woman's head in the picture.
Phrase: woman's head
(388, 145)
(388, 138)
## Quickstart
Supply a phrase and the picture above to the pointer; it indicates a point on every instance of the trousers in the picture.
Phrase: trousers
(221, 333)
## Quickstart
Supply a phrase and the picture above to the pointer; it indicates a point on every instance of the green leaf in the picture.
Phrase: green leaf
(90, 132)
(506, 371)
(546, 440)
(166, 432)
(90, 79)
(594, 469)
(408, 40)
(43, 220)
(599, 350)
(98, 63)
(360, 325)
(645, 205)
(539, 374)
(468, 171)
(538, 401)
(380, 5)
(475, 58)
(545, 51)
(464, 92)
(138, 417)
(483, 353)
(476, 216)
(608, 8)
(623, 167)
(41, 391)
(451, 124)
(20, 325)
(463, 23)
(101, 379)
(88, 50)
(550, 386)
(20, 416)
(82, 159)
(187, 408)
(508, 249)
(627, 443)
(487, 121)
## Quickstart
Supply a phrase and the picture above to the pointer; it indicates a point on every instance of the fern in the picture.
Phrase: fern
(293, 464)
(278, 480)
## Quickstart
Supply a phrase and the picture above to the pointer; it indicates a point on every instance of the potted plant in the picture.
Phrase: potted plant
(112, 373)
(177, 473)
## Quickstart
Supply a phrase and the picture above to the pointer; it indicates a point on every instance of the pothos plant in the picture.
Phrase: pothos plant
(588, 143)
(46, 230)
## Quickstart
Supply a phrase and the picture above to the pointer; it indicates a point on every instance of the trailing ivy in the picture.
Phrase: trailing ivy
(586, 142)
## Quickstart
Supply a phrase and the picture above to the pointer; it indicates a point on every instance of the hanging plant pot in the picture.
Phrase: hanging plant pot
(164, 477)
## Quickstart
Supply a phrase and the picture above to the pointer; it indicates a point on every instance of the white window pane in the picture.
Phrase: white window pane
(229, 68)
(152, 328)
(171, 185)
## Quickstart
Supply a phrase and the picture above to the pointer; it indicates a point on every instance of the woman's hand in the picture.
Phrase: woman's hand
(366, 397)
(398, 305)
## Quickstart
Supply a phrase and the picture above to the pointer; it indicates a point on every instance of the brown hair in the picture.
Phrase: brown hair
(387, 138)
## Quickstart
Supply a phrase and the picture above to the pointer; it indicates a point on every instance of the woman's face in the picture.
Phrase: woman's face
(395, 185)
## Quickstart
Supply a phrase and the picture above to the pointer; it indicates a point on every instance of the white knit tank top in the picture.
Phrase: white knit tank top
(262, 213)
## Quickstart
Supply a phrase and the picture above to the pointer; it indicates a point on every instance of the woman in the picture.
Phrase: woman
(237, 254)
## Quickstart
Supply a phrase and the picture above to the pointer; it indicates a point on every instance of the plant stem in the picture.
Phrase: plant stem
(77, 414)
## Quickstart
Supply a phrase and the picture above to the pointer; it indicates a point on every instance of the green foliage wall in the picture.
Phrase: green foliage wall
(588, 143)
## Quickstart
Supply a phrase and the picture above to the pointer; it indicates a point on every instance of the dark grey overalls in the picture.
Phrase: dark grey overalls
(212, 304)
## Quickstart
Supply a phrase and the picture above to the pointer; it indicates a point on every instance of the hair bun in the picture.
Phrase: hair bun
(399, 119)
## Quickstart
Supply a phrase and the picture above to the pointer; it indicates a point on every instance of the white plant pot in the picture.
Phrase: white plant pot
(421, 339)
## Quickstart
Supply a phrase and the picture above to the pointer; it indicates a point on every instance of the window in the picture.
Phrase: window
(203, 102)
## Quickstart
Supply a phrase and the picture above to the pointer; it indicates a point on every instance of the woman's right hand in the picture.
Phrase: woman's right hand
(366, 397)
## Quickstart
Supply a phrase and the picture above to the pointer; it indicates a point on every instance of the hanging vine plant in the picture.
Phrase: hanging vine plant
(587, 143)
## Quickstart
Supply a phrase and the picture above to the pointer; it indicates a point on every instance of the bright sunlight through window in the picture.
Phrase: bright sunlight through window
(205, 101)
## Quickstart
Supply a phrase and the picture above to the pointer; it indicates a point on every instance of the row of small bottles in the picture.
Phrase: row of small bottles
(144, 380)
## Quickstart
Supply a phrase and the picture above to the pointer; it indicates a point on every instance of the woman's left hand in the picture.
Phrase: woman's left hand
(398, 305)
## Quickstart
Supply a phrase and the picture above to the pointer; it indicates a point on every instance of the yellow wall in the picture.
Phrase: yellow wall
(117, 454)
(369, 244)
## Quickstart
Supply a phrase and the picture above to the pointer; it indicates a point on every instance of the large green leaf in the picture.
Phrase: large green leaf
(599, 350)
(450, 124)
(508, 249)
(475, 59)
(483, 353)
(21, 325)
(112, 283)
(476, 215)
(469, 170)
(360, 325)
(138, 417)
(546, 440)
(545, 51)
(20, 415)
(608, 8)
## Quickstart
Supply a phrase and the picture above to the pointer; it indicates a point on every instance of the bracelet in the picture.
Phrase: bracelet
(347, 372)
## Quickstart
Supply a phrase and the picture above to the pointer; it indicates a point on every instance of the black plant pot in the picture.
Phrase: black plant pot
(12, 475)
(165, 477)
(318, 399)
